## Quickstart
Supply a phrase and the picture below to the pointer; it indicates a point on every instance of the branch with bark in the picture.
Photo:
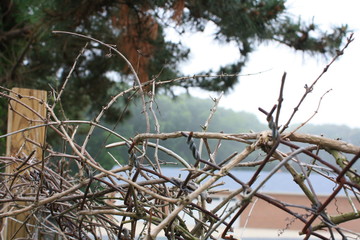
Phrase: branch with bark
(137, 198)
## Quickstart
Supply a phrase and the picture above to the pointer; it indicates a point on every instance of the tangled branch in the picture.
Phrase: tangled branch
(138, 199)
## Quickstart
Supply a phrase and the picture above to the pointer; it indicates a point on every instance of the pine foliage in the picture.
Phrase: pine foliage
(31, 56)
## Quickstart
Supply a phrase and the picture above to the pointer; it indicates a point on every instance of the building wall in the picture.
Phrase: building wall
(264, 215)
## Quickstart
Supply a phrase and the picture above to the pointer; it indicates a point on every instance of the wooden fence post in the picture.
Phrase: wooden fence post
(22, 145)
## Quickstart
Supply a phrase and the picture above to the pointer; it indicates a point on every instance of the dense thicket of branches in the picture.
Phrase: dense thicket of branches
(138, 200)
(127, 37)
(193, 112)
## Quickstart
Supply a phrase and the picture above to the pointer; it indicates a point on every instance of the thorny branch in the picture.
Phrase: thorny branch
(137, 199)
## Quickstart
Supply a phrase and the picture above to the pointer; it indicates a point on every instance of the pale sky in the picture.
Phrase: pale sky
(339, 106)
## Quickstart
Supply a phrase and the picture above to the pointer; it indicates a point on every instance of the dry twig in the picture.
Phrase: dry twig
(111, 202)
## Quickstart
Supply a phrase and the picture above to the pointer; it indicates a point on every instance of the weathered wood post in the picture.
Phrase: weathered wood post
(22, 145)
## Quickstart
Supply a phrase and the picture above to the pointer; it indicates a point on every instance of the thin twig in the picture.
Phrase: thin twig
(206, 125)
(57, 99)
(309, 89)
(312, 116)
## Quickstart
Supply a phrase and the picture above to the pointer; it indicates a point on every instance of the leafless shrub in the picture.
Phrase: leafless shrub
(139, 200)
